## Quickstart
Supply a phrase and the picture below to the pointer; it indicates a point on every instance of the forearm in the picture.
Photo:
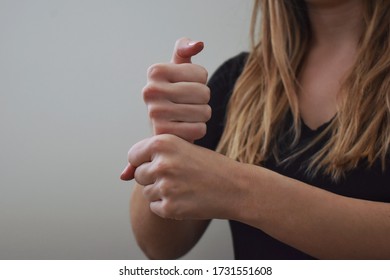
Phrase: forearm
(162, 238)
(320, 223)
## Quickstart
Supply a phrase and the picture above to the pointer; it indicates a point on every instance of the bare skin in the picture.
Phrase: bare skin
(336, 29)
(167, 238)
(183, 183)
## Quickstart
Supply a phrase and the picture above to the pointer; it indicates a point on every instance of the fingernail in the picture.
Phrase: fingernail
(193, 43)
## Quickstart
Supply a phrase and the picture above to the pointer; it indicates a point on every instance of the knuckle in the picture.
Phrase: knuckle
(200, 131)
(156, 71)
(200, 74)
(168, 208)
(160, 143)
(147, 191)
(150, 90)
(207, 112)
(203, 130)
(161, 169)
(162, 128)
(203, 93)
(165, 188)
(204, 74)
(207, 94)
(156, 111)
(157, 144)
(161, 110)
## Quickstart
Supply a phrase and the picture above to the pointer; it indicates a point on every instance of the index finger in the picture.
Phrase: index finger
(140, 153)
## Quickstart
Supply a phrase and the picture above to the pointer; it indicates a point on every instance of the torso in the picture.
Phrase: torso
(320, 79)
(361, 183)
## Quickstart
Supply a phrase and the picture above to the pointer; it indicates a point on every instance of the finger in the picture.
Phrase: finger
(185, 49)
(140, 153)
(143, 175)
(151, 193)
(188, 93)
(184, 130)
(168, 111)
(181, 92)
(128, 173)
(174, 73)
(162, 209)
(145, 150)
(156, 208)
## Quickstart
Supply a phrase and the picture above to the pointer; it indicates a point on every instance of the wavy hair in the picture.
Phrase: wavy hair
(267, 90)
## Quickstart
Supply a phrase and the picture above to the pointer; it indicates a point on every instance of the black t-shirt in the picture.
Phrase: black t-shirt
(252, 243)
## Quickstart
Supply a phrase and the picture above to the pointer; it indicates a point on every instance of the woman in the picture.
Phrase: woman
(301, 126)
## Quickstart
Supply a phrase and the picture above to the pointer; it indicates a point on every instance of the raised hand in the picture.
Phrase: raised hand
(176, 94)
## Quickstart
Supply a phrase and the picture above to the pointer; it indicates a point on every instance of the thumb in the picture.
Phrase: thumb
(185, 49)
(128, 173)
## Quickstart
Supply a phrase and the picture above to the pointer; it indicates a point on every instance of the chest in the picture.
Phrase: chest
(320, 80)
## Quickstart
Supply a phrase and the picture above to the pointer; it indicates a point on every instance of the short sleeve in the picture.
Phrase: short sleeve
(221, 85)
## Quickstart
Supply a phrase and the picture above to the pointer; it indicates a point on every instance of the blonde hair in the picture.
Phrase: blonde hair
(267, 90)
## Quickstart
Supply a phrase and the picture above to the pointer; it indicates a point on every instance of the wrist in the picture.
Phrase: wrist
(255, 196)
(245, 182)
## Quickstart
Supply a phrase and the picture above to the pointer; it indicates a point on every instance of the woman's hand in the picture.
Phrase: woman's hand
(184, 181)
(176, 94)
(176, 181)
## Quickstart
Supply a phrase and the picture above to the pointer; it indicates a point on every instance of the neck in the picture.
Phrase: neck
(335, 23)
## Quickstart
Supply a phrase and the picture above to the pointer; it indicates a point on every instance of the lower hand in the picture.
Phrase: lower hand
(182, 180)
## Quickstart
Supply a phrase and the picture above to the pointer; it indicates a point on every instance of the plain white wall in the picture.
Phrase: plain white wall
(71, 74)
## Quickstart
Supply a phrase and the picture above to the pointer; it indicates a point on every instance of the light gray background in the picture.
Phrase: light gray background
(71, 74)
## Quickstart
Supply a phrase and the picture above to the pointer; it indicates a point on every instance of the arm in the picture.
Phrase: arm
(320, 223)
(162, 238)
(196, 183)
(171, 89)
